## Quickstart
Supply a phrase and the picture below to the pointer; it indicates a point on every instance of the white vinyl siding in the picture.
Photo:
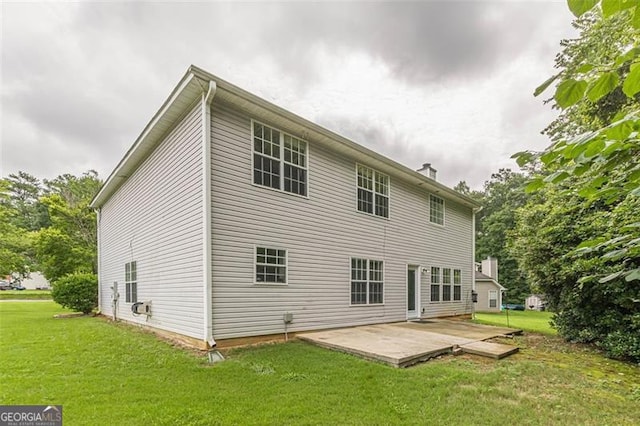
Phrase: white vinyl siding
(156, 218)
(321, 234)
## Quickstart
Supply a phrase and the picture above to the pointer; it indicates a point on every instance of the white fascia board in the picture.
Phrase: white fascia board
(146, 142)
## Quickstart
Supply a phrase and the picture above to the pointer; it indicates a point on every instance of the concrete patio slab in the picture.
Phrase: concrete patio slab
(404, 344)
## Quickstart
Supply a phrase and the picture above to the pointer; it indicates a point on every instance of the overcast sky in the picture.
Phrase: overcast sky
(449, 83)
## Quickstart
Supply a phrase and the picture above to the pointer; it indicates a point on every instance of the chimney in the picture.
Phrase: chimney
(490, 267)
(428, 171)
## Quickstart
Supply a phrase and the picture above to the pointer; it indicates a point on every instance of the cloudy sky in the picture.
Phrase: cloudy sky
(445, 82)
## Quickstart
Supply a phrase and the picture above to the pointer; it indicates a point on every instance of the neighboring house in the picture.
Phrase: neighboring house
(35, 280)
(489, 291)
(230, 214)
(535, 302)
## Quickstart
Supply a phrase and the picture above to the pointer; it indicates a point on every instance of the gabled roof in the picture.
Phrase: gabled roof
(197, 81)
(482, 277)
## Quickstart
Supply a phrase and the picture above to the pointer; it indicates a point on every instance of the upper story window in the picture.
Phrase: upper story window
(436, 210)
(373, 191)
(279, 160)
(271, 265)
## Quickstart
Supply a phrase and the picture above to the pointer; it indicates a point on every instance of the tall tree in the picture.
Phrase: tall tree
(598, 91)
(14, 241)
(593, 170)
(503, 194)
(69, 244)
(22, 195)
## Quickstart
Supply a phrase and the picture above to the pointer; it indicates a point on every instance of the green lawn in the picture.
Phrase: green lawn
(115, 374)
(24, 294)
(534, 321)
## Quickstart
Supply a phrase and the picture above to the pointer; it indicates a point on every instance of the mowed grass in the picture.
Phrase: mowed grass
(535, 321)
(105, 373)
(25, 294)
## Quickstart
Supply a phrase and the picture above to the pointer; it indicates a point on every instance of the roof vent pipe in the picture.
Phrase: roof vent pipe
(428, 171)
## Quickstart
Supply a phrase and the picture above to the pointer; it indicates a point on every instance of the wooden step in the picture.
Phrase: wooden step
(491, 350)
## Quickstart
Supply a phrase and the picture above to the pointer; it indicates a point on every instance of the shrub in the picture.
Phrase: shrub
(77, 291)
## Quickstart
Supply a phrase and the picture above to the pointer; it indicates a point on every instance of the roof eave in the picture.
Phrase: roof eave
(180, 98)
(409, 173)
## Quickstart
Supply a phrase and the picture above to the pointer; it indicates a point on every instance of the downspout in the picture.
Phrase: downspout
(207, 98)
(473, 257)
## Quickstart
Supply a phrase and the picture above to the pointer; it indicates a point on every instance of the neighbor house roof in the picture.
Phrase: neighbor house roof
(197, 82)
(482, 277)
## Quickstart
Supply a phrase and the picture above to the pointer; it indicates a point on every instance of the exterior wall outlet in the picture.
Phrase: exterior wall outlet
(287, 317)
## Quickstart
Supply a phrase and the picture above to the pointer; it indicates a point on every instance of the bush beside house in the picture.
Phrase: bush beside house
(77, 291)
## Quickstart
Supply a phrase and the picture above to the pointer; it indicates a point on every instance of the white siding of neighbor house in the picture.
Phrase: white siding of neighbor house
(483, 287)
(155, 218)
(320, 234)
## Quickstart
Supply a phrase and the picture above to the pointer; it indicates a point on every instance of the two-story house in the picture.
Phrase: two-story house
(230, 215)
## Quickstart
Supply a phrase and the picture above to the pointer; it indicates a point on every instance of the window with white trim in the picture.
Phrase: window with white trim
(373, 191)
(279, 160)
(446, 284)
(131, 282)
(493, 299)
(457, 288)
(271, 266)
(367, 282)
(435, 284)
(436, 210)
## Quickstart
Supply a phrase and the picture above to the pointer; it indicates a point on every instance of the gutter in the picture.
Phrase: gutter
(207, 99)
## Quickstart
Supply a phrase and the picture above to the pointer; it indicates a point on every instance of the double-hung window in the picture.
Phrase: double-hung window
(457, 288)
(446, 284)
(367, 282)
(279, 160)
(131, 282)
(271, 265)
(435, 284)
(436, 210)
(493, 299)
(373, 191)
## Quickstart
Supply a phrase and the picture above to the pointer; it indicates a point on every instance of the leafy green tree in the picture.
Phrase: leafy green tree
(607, 154)
(589, 183)
(22, 193)
(14, 241)
(69, 244)
(502, 195)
